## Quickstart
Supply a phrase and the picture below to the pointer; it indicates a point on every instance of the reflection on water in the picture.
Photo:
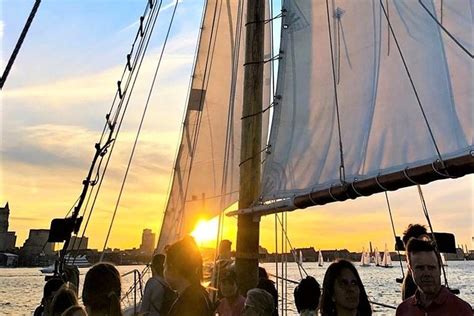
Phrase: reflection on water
(21, 289)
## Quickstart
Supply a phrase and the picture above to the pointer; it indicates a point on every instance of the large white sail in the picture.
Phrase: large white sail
(206, 173)
(382, 126)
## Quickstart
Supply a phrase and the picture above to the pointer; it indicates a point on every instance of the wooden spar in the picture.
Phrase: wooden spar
(455, 167)
(247, 226)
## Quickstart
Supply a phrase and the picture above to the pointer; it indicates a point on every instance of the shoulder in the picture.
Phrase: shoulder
(406, 305)
(459, 304)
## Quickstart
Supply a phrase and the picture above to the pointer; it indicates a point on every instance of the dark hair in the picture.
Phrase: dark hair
(157, 263)
(327, 306)
(413, 231)
(418, 245)
(63, 299)
(51, 286)
(262, 273)
(269, 286)
(307, 294)
(102, 289)
(184, 256)
(72, 310)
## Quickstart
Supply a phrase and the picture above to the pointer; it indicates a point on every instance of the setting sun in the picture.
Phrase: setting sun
(206, 231)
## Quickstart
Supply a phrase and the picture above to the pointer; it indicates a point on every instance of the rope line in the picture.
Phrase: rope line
(16, 50)
(139, 128)
(342, 174)
(427, 216)
(250, 158)
(394, 233)
(284, 232)
(259, 112)
(413, 87)
(444, 29)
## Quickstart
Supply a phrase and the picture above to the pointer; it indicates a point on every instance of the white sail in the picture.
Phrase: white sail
(443, 259)
(382, 126)
(206, 172)
(365, 259)
(378, 258)
(387, 259)
(320, 259)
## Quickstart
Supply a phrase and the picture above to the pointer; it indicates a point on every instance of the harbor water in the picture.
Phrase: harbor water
(21, 288)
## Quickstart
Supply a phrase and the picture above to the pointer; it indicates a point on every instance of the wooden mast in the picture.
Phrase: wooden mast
(248, 226)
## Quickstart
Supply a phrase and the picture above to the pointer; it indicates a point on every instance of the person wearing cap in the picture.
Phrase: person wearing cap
(258, 303)
(232, 303)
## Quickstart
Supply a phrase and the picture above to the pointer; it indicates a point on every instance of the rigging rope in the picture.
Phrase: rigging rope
(413, 87)
(427, 216)
(394, 233)
(342, 173)
(143, 45)
(285, 235)
(16, 50)
(444, 29)
(139, 128)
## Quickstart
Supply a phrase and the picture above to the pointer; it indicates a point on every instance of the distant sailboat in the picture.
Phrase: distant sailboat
(387, 260)
(365, 259)
(320, 259)
(378, 258)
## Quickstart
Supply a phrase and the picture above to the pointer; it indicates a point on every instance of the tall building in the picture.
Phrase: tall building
(37, 250)
(78, 243)
(148, 241)
(7, 239)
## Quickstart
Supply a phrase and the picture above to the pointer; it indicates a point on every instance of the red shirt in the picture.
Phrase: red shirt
(225, 308)
(445, 304)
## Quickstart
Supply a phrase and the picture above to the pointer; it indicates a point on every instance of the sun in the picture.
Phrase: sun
(206, 231)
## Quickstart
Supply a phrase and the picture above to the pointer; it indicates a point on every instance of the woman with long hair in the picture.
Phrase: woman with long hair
(102, 290)
(343, 291)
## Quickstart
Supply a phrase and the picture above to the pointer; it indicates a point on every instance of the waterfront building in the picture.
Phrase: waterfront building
(79, 243)
(7, 239)
(37, 250)
(148, 241)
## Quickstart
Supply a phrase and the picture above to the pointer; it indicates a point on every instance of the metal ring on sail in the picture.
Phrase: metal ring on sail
(405, 173)
(378, 183)
(447, 175)
(354, 189)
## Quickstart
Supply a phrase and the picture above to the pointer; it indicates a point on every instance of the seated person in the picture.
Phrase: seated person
(50, 288)
(430, 298)
(307, 294)
(343, 291)
(232, 303)
(64, 298)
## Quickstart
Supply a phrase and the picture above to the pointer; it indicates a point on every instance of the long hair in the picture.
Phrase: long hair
(102, 289)
(328, 307)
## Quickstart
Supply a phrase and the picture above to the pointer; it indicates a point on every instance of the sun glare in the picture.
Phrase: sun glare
(206, 231)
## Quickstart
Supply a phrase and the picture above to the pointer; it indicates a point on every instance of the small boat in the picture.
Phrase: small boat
(80, 262)
(444, 262)
(377, 258)
(320, 259)
(365, 259)
(387, 260)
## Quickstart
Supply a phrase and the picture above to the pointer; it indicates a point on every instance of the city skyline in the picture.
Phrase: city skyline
(53, 109)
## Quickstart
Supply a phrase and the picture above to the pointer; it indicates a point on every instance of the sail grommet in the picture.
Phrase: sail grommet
(446, 175)
(330, 194)
(379, 184)
(310, 198)
(354, 189)
(408, 178)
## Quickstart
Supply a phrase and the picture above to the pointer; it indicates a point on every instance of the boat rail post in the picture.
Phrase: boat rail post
(248, 225)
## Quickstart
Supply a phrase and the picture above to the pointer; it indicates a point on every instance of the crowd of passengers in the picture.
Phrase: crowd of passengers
(175, 288)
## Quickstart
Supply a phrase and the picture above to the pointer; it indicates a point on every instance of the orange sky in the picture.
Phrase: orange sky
(52, 112)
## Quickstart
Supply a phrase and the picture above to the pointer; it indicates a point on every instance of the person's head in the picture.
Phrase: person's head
(183, 263)
(228, 284)
(307, 294)
(424, 265)
(75, 310)
(262, 273)
(414, 231)
(343, 290)
(102, 289)
(258, 303)
(157, 264)
(49, 290)
(224, 249)
(64, 298)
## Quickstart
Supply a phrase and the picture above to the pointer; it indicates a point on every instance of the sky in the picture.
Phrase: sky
(52, 113)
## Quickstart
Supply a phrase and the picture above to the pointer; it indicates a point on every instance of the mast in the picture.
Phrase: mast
(248, 226)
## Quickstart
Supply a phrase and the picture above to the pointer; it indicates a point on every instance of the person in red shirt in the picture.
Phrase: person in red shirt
(232, 303)
(430, 298)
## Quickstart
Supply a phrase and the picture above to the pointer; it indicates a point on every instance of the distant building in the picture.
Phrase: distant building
(7, 239)
(148, 241)
(79, 243)
(37, 250)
